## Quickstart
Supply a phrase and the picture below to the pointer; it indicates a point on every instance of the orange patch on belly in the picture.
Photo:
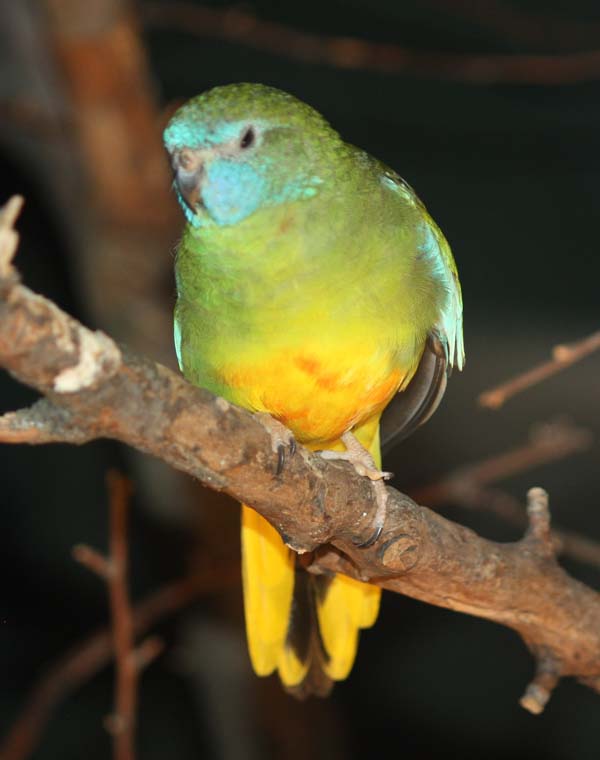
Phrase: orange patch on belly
(308, 364)
(332, 381)
(306, 393)
(327, 380)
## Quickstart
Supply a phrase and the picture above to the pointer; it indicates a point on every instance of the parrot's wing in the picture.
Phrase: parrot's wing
(421, 397)
(444, 348)
(450, 324)
(433, 246)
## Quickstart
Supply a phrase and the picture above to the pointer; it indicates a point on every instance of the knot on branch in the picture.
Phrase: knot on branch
(399, 553)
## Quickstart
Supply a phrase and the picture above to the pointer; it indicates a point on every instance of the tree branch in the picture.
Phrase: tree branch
(549, 442)
(316, 505)
(563, 356)
(243, 28)
(546, 29)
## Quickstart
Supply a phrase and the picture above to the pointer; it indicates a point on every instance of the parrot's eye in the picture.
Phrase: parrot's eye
(248, 138)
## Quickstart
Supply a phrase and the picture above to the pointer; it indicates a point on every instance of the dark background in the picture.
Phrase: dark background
(511, 173)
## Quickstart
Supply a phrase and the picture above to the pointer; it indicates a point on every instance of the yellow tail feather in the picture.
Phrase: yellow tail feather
(268, 573)
(268, 580)
(349, 605)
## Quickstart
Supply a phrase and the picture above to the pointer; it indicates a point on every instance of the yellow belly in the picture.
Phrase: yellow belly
(319, 394)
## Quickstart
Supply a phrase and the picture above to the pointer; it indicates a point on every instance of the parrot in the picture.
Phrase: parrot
(313, 289)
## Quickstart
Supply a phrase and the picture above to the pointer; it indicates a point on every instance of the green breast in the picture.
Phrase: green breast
(341, 270)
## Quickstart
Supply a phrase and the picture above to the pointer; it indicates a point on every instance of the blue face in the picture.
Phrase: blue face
(234, 169)
(232, 190)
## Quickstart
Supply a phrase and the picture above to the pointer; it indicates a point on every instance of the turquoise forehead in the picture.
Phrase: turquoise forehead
(218, 115)
(189, 133)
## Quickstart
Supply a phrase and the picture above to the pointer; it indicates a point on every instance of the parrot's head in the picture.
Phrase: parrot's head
(244, 147)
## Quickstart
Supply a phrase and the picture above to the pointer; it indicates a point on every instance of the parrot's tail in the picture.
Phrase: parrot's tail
(302, 625)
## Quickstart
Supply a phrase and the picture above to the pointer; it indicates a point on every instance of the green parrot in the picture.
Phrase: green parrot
(314, 287)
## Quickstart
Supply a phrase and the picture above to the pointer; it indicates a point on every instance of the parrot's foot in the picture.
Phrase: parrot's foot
(364, 465)
(283, 442)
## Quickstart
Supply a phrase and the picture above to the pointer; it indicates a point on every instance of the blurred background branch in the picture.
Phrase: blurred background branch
(472, 486)
(82, 663)
(244, 28)
(130, 659)
(539, 27)
(563, 356)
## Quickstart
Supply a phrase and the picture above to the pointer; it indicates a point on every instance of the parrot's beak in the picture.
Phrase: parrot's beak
(188, 166)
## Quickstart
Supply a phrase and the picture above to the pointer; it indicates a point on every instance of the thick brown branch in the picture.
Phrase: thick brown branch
(243, 28)
(562, 357)
(112, 393)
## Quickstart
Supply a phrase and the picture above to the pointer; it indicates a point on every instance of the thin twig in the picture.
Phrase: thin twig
(129, 662)
(563, 356)
(9, 237)
(549, 442)
(94, 561)
(122, 723)
(540, 690)
(576, 547)
(241, 27)
(80, 664)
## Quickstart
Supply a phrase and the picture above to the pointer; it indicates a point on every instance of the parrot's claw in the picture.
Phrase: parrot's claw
(364, 465)
(381, 498)
(282, 452)
(283, 442)
(370, 541)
